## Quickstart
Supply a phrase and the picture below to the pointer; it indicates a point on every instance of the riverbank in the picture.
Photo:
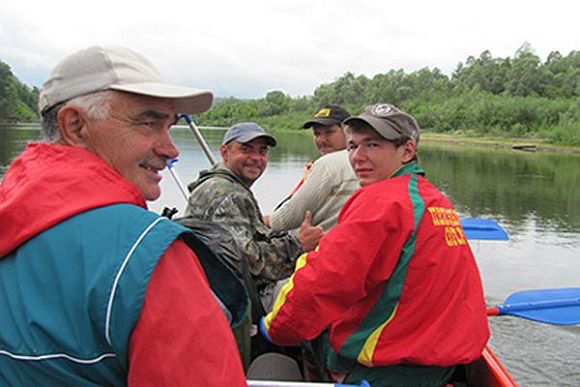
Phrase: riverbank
(455, 139)
(516, 144)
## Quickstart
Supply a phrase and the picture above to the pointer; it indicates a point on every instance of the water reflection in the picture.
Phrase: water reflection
(510, 186)
(12, 141)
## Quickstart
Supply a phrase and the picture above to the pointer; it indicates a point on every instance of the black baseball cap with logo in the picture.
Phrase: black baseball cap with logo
(328, 115)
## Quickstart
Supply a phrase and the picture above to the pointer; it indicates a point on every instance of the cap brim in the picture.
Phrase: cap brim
(271, 141)
(187, 100)
(381, 126)
(321, 121)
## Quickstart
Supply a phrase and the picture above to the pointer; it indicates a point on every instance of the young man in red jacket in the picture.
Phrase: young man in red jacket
(393, 289)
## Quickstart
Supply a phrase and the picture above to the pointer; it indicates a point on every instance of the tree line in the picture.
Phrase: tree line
(518, 96)
(17, 101)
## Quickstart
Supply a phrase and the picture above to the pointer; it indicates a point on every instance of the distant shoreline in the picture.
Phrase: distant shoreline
(455, 139)
(516, 144)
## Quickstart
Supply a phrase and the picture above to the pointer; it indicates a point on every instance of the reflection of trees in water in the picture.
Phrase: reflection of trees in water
(295, 144)
(12, 142)
(509, 185)
(515, 188)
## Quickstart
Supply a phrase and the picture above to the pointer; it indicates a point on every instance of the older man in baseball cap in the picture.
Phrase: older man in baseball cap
(98, 290)
(386, 282)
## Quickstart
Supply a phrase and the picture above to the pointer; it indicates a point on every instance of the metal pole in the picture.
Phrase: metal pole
(176, 178)
(199, 138)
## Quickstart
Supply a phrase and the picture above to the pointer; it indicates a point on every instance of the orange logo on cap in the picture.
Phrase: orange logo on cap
(323, 113)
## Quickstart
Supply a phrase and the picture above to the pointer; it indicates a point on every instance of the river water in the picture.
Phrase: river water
(533, 195)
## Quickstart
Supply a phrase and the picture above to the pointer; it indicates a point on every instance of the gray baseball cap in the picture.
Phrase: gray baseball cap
(115, 68)
(245, 132)
(388, 120)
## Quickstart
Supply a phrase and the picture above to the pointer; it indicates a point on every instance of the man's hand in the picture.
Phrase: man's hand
(309, 235)
(266, 220)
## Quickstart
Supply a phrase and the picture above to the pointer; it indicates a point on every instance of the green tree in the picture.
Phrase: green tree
(562, 75)
(525, 76)
(346, 90)
(17, 101)
(388, 87)
(484, 73)
(275, 102)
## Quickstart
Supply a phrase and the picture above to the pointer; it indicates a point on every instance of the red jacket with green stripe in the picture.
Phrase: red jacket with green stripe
(395, 282)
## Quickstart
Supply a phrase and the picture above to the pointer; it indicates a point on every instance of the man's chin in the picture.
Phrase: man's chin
(250, 178)
(364, 181)
(151, 193)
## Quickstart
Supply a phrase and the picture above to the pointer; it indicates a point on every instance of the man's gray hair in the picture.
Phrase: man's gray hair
(95, 105)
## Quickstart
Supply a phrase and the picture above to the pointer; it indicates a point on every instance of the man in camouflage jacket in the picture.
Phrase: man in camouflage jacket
(222, 194)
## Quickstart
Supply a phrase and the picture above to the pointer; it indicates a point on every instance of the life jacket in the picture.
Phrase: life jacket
(224, 247)
(94, 302)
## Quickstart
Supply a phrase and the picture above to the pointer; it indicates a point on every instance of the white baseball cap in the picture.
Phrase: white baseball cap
(115, 68)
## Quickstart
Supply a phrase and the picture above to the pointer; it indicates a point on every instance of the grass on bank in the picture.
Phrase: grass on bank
(461, 138)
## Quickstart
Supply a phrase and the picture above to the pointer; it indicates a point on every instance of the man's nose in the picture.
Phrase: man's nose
(357, 153)
(167, 147)
(257, 155)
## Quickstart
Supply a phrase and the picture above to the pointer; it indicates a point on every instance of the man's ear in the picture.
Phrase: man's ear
(410, 149)
(72, 124)
(224, 152)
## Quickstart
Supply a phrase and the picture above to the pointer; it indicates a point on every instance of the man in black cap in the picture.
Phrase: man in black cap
(327, 129)
(327, 183)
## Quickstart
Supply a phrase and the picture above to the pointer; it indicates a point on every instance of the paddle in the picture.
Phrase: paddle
(200, 139)
(175, 176)
(483, 229)
(560, 306)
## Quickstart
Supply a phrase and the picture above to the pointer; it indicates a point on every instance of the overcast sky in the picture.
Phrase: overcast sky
(246, 48)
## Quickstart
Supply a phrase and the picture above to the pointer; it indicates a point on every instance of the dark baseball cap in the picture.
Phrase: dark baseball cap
(389, 121)
(245, 132)
(328, 115)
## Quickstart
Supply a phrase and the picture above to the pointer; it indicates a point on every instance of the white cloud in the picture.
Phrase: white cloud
(248, 48)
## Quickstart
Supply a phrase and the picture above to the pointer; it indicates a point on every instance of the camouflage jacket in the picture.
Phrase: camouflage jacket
(219, 196)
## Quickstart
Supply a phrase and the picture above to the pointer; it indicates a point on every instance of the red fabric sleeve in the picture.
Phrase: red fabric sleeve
(347, 267)
(182, 337)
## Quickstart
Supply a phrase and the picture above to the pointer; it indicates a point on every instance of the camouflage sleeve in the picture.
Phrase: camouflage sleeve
(270, 255)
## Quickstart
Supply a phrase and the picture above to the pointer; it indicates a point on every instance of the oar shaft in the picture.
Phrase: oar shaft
(176, 178)
(200, 139)
(535, 305)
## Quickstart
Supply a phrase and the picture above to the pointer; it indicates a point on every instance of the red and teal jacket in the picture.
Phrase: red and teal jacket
(95, 289)
(395, 282)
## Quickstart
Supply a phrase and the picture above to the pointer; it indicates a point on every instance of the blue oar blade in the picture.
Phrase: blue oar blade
(551, 306)
(483, 229)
